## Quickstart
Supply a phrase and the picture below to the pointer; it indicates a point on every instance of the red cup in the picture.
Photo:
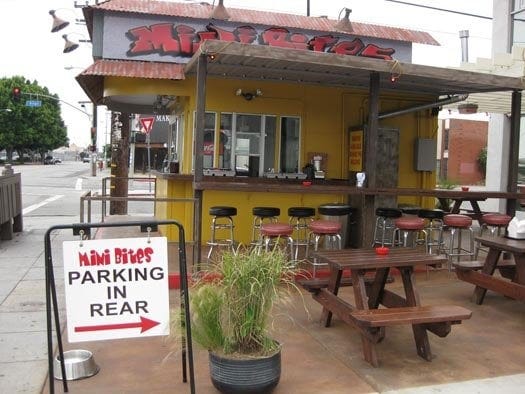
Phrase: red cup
(464, 188)
(307, 183)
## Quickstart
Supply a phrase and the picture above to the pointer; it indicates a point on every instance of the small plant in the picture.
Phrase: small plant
(449, 185)
(482, 161)
(231, 304)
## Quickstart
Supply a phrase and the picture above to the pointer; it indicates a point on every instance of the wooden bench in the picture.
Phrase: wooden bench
(10, 206)
(507, 268)
(429, 314)
(313, 285)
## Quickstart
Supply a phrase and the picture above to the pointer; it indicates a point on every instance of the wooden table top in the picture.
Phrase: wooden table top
(503, 243)
(368, 259)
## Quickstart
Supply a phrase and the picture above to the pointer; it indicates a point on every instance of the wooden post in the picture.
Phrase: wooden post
(119, 164)
(202, 69)
(512, 183)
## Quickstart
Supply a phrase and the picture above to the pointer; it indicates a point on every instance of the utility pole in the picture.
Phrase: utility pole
(119, 162)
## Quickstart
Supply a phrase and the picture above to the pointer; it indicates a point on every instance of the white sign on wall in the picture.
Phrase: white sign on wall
(116, 288)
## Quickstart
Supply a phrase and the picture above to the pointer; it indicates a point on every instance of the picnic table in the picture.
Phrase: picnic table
(511, 283)
(365, 314)
(475, 213)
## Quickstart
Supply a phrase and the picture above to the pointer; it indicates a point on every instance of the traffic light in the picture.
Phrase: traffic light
(16, 93)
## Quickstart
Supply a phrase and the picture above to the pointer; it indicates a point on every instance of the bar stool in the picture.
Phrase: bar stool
(299, 218)
(495, 223)
(273, 233)
(222, 220)
(319, 229)
(457, 223)
(385, 225)
(434, 228)
(406, 226)
(409, 210)
(260, 214)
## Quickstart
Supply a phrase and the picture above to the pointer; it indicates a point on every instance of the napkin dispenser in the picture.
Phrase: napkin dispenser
(516, 228)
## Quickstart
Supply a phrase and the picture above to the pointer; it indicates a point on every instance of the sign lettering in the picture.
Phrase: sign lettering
(116, 288)
(179, 40)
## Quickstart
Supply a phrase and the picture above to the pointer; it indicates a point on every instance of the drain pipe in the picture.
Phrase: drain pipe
(463, 36)
(439, 103)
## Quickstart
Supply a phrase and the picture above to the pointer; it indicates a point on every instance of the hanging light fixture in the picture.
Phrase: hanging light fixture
(58, 23)
(344, 23)
(69, 45)
(219, 12)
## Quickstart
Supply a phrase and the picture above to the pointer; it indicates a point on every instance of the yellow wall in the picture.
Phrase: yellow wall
(326, 114)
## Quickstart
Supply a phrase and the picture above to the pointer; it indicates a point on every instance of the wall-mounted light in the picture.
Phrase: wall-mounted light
(249, 95)
(219, 12)
(59, 23)
(69, 45)
(344, 23)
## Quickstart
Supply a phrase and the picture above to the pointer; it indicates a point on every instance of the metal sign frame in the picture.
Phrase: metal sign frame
(84, 230)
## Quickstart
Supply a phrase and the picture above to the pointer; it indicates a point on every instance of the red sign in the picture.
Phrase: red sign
(147, 124)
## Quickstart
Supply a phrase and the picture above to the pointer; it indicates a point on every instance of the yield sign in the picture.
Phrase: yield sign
(147, 124)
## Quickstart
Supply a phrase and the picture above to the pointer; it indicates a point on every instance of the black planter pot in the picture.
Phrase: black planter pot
(237, 376)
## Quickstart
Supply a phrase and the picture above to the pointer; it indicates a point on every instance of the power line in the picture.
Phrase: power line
(441, 9)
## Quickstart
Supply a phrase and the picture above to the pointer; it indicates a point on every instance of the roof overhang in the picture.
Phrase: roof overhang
(244, 61)
(92, 81)
(239, 61)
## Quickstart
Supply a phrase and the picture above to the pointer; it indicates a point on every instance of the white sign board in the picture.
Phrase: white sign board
(116, 288)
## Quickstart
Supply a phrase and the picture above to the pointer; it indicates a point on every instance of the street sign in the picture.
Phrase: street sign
(33, 103)
(147, 124)
(116, 288)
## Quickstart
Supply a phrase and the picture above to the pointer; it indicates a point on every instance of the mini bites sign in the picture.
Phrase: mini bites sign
(116, 288)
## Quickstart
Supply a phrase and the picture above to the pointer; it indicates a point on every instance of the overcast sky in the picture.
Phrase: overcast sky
(31, 50)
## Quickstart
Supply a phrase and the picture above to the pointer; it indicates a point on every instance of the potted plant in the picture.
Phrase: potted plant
(231, 312)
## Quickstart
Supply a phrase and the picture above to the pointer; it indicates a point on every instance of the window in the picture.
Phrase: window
(250, 144)
(290, 127)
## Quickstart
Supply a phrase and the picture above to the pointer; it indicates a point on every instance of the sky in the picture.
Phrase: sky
(29, 49)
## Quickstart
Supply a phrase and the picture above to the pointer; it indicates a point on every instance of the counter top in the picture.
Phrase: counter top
(329, 186)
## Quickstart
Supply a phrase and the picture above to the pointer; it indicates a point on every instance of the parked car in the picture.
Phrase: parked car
(51, 160)
(86, 159)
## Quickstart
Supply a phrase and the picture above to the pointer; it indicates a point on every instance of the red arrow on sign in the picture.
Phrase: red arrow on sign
(145, 324)
(147, 124)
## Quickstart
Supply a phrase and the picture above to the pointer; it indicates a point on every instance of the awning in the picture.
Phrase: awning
(252, 62)
(92, 78)
(244, 61)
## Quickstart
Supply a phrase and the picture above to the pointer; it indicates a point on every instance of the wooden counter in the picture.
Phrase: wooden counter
(246, 192)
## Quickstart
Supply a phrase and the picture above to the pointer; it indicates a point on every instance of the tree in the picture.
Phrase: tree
(36, 129)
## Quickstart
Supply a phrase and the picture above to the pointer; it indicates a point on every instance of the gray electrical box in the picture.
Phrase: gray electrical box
(425, 154)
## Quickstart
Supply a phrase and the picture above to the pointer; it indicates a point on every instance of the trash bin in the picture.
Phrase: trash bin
(340, 213)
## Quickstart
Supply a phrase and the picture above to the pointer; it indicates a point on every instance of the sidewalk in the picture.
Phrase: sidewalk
(482, 355)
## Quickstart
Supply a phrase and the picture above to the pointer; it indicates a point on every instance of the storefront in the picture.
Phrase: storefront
(259, 102)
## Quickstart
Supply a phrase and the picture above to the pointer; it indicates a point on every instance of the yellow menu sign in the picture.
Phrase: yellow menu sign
(355, 158)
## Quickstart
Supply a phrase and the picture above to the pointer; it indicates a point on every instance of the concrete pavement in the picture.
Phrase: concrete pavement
(482, 355)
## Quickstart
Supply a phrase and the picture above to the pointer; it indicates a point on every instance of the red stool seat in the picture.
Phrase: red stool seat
(457, 220)
(276, 229)
(324, 227)
(496, 219)
(409, 223)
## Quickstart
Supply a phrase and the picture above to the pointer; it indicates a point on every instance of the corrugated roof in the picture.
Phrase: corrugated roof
(203, 11)
(135, 69)
(92, 78)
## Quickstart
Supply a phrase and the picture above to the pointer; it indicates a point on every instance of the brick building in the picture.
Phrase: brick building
(462, 140)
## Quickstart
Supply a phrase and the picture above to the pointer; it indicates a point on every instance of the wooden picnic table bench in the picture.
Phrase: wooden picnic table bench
(313, 285)
(366, 316)
(481, 274)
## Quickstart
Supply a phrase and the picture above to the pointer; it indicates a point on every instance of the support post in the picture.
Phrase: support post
(198, 148)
